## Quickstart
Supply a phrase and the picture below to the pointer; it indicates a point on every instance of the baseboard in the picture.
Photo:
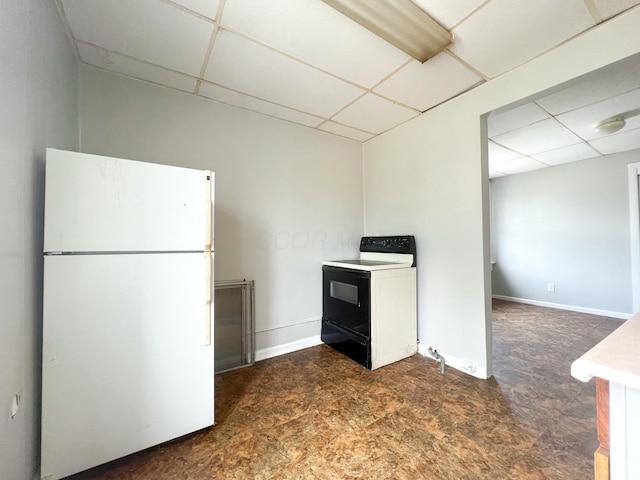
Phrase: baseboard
(571, 308)
(285, 348)
(466, 366)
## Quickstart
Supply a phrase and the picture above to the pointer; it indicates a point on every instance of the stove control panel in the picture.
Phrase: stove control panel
(394, 244)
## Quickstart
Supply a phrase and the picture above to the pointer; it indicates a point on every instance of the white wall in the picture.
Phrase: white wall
(567, 225)
(429, 177)
(38, 108)
(287, 197)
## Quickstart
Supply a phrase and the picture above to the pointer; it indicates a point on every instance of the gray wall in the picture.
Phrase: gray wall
(287, 197)
(429, 177)
(38, 108)
(567, 225)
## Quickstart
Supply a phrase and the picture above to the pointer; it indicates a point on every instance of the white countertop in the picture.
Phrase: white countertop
(616, 358)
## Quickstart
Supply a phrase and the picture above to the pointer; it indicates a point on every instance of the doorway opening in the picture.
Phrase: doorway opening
(573, 255)
(634, 226)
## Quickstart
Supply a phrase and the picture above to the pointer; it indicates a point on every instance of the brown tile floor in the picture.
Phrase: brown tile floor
(315, 414)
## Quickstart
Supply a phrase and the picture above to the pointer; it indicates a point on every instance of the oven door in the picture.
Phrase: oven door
(346, 299)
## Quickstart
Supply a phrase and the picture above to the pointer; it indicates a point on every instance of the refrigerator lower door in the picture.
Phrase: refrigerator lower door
(127, 362)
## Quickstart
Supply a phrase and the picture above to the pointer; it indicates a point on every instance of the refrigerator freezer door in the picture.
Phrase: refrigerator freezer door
(125, 360)
(103, 204)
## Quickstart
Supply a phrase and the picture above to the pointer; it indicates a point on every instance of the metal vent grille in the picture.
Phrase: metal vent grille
(234, 325)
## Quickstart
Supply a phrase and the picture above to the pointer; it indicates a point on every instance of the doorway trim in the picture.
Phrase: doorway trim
(634, 219)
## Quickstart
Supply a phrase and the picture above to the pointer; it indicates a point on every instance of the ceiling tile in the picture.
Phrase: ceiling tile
(344, 131)
(374, 114)
(498, 154)
(422, 86)
(618, 142)
(609, 8)
(518, 117)
(519, 165)
(208, 8)
(135, 68)
(248, 67)
(494, 174)
(317, 34)
(539, 137)
(582, 120)
(153, 31)
(572, 153)
(446, 12)
(506, 33)
(607, 82)
(236, 99)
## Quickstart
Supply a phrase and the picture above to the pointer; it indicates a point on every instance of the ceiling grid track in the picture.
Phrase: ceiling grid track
(212, 41)
(189, 11)
(68, 30)
(333, 75)
(591, 6)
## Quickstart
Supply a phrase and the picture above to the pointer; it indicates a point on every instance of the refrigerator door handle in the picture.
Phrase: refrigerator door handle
(208, 185)
(208, 306)
(208, 211)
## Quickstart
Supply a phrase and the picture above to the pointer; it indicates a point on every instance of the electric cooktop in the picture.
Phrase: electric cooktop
(362, 264)
(381, 253)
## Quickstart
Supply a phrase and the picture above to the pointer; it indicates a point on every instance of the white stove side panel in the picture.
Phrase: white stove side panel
(394, 319)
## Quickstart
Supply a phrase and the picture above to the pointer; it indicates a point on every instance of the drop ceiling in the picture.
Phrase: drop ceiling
(559, 127)
(304, 62)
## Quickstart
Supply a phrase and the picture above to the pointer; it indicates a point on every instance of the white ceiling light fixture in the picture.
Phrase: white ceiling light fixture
(610, 125)
(400, 22)
(615, 123)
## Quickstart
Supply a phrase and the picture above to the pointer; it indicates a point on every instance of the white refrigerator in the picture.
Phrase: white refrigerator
(128, 308)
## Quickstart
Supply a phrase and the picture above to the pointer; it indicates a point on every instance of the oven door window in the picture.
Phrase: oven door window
(345, 300)
(344, 291)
